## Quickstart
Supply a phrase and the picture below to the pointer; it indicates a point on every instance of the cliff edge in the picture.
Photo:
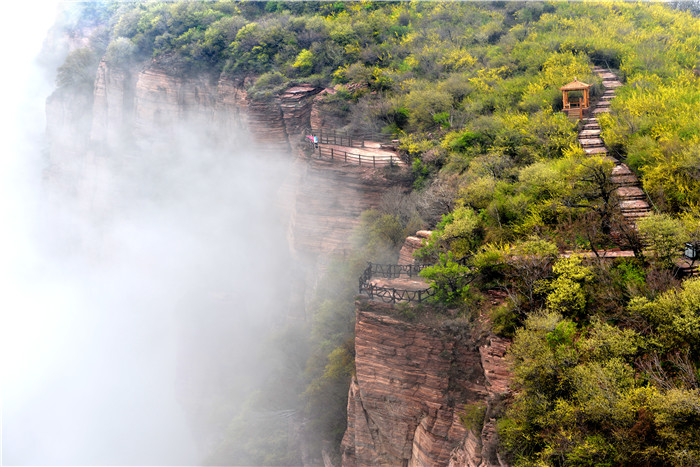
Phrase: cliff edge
(423, 394)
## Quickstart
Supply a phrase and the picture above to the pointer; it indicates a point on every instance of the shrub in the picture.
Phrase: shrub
(664, 234)
(120, 52)
(78, 70)
(472, 416)
(449, 279)
(267, 86)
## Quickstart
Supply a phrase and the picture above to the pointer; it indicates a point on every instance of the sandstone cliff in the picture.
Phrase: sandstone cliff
(145, 107)
(416, 390)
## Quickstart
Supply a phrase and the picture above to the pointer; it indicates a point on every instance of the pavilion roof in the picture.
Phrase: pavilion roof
(575, 85)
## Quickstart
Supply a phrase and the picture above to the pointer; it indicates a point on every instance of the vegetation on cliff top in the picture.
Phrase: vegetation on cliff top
(605, 355)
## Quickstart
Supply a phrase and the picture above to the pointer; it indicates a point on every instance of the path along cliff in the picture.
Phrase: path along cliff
(633, 201)
(147, 105)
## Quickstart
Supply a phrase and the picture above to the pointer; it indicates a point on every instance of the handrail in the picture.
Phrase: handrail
(356, 136)
(359, 159)
(391, 294)
(391, 271)
(656, 209)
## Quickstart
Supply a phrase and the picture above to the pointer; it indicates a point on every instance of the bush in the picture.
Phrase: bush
(665, 236)
(78, 70)
(120, 52)
(472, 417)
(267, 86)
(449, 279)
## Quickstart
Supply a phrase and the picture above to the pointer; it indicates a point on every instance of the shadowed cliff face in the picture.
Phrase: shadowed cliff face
(415, 385)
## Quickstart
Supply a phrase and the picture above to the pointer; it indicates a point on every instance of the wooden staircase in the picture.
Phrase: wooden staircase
(634, 203)
(633, 200)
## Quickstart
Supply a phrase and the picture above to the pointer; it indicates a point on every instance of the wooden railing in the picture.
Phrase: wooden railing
(359, 159)
(352, 140)
(391, 294)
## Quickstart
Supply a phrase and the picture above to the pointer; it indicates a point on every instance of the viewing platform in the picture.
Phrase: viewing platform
(368, 150)
(392, 283)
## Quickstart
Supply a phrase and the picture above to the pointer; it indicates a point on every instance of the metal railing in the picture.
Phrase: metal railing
(392, 294)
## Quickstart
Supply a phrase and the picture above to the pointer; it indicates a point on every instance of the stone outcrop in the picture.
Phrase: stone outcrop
(411, 245)
(411, 391)
(324, 115)
(296, 104)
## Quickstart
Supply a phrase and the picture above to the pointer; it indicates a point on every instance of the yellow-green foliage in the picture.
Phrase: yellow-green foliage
(461, 234)
(566, 294)
(577, 401)
(472, 416)
(674, 316)
(664, 234)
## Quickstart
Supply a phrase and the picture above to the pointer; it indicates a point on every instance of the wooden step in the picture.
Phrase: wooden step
(591, 142)
(597, 150)
(624, 180)
(634, 216)
(601, 110)
(623, 169)
(589, 133)
(634, 205)
(630, 193)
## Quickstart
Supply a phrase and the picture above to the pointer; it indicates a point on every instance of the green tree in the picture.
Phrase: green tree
(566, 293)
(665, 236)
(449, 280)
(78, 70)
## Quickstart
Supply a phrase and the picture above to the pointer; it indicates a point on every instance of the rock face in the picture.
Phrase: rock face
(328, 198)
(412, 243)
(414, 386)
(148, 105)
(296, 104)
(151, 103)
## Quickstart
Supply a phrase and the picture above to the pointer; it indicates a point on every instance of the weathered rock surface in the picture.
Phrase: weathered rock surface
(142, 109)
(296, 104)
(327, 198)
(412, 244)
(411, 386)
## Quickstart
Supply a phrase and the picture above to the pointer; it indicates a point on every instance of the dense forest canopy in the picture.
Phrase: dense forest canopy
(605, 354)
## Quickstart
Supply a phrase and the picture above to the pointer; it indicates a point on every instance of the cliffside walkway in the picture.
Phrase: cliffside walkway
(392, 283)
(368, 150)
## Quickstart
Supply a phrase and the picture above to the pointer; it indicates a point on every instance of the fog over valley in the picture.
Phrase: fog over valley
(143, 280)
(351, 233)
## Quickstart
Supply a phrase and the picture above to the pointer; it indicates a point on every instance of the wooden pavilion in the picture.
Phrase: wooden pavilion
(575, 105)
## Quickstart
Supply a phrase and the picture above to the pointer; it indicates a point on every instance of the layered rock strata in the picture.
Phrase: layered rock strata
(414, 384)
(412, 244)
(327, 198)
(296, 104)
